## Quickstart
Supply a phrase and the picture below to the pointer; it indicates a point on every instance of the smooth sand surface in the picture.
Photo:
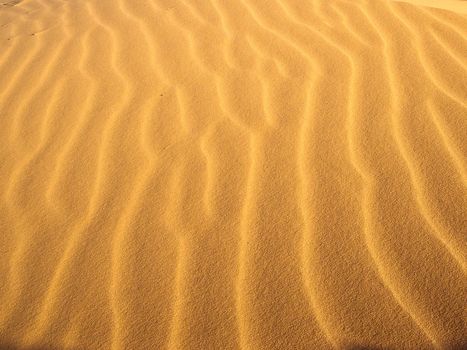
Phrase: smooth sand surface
(233, 174)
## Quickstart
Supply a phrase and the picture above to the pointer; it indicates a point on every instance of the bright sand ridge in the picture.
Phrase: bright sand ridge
(247, 174)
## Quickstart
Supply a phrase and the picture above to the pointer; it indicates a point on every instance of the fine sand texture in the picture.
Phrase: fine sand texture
(233, 174)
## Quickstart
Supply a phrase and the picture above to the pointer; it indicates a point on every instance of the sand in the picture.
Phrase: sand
(216, 174)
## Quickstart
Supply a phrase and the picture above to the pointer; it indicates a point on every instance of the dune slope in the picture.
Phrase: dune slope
(251, 174)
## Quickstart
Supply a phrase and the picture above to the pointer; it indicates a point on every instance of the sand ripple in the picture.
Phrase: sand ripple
(248, 174)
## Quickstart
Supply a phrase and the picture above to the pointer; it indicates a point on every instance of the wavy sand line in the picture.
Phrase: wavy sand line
(307, 242)
(398, 139)
(337, 47)
(173, 342)
(429, 68)
(451, 5)
(180, 270)
(417, 183)
(454, 152)
(449, 51)
(242, 175)
(141, 182)
(117, 325)
(449, 20)
(82, 120)
(367, 195)
(49, 76)
(270, 28)
(307, 231)
(75, 235)
(19, 75)
(14, 277)
(242, 314)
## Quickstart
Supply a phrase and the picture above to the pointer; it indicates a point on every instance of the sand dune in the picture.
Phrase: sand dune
(249, 174)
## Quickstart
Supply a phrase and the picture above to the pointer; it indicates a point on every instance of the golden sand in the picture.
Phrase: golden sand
(233, 174)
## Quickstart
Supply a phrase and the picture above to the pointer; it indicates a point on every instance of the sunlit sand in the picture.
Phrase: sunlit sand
(233, 174)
